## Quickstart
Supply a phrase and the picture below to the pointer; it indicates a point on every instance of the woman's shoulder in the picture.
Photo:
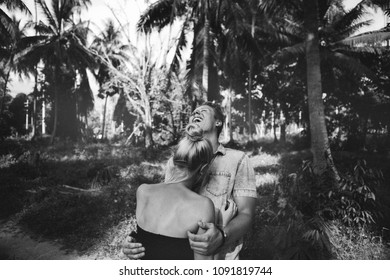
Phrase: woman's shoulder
(147, 189)
(143, 188)
(204, 208)
(206, 202)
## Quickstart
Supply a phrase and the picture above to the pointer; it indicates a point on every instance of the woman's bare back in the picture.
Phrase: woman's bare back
(171, 209)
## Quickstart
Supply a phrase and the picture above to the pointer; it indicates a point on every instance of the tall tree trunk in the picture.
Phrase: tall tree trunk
(86, 120)
(148, 125)
(274, 126)
(283, 126)
(27, 118)
(250, 83)
(322, 157)
(53, 134)
(104, 117)
(206, 39)
(43, 121)
(250, 101)
(229, 114)
(34, 118)
(34, 113)
(8, 71)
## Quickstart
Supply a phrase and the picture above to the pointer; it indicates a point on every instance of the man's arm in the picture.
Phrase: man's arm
(242, 223)
(211, 241)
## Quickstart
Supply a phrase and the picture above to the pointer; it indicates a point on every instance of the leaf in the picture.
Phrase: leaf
(371, 196)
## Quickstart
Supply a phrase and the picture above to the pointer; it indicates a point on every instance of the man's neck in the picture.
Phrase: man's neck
(213, 140)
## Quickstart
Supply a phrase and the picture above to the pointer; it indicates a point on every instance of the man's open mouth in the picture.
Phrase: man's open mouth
(197, 119)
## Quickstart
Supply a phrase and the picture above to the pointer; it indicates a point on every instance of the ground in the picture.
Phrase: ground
(74, 201)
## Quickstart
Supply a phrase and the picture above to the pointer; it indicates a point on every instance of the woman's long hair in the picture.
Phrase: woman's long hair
(192, 152)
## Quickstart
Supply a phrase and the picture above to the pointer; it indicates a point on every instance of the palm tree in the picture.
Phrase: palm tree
(11, 42)
(200, 17)
(321, 42)
(13, 45)
(380, 40)
(63, 49)
(108, 44)
(238, 50)
(319, 136)
(224, 39)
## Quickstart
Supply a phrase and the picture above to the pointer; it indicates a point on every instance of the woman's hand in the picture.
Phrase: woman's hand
(227, 212)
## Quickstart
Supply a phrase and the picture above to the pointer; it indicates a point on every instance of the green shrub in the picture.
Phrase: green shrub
(352, 200)
(305, 206)
(351, 243)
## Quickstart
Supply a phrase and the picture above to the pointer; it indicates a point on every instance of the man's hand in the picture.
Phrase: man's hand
(206, 243)
(133, 250)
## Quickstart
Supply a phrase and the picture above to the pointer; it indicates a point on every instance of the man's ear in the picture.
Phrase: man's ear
(218, 123)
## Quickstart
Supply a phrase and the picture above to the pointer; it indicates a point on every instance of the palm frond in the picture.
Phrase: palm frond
(44, 29)
(48, 15)
(6, 25)
(193, 65)
(351, 18)
(343, 61)
(358, 50)
(371, 37)
(352, 29)
(80, 53)
(160, 14)
(16, 4)
(290, 53)
(181, 43)
(279, 7)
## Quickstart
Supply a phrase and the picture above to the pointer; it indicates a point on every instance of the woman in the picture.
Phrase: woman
(166, 211)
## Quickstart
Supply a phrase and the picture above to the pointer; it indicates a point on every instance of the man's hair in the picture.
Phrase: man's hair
(218, 113)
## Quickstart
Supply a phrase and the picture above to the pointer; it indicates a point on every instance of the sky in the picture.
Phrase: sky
(128, 12)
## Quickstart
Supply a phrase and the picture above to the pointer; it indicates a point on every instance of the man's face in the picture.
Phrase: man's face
(204, 117)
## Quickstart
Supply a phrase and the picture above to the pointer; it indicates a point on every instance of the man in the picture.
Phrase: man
(229, 170)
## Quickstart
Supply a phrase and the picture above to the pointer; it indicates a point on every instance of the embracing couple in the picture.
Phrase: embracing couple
(206, 204)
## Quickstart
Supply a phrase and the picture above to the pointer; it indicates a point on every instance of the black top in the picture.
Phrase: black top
(161, 247)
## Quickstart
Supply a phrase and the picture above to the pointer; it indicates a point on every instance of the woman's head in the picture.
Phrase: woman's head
(192, 153)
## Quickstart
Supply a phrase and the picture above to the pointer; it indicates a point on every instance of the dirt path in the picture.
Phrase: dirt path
(15, 244)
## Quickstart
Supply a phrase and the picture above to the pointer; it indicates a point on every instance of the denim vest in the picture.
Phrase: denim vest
(230, 175)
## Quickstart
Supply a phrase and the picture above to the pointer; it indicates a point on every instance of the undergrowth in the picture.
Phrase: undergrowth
(293, 220)
(74, 194)
(303, 217)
